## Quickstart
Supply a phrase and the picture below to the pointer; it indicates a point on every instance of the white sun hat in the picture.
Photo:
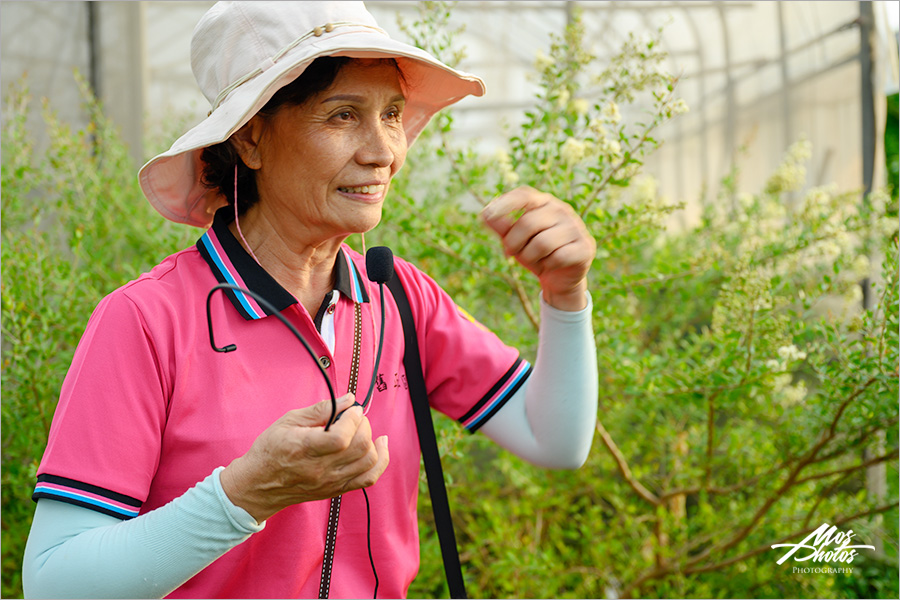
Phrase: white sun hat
(244, 52)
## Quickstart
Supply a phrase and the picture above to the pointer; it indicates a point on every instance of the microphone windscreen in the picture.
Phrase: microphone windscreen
(380, 264)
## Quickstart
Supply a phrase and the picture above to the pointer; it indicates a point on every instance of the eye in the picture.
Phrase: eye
(344, 115)
(392, 114)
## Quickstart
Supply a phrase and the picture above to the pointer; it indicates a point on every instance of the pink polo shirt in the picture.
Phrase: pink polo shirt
(148, 409)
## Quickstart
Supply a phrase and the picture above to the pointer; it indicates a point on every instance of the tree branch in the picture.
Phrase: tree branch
(710, 434)
(659, 572)
(516, 284)
(624, 470)
(858, 441)
(872, 461)
(793, 536)
(727, 489)
(788, 483)
(822, 496)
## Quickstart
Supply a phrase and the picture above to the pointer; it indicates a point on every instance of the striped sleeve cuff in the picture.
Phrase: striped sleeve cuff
(86, 495)
(497, 396)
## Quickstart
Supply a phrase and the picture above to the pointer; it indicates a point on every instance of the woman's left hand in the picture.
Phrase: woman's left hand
(549, 239)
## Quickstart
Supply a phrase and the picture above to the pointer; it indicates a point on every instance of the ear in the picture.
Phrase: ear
(246, 142)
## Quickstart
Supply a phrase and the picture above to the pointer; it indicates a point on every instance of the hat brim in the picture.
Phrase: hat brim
(172, 181)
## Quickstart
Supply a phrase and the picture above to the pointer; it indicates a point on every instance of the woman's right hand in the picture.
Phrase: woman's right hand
(295, 460)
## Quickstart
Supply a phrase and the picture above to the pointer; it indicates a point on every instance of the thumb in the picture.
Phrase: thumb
(318, 414)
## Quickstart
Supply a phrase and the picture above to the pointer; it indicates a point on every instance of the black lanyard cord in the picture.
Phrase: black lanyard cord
(274, 312)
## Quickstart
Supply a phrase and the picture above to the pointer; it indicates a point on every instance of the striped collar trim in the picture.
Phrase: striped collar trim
(230, 263)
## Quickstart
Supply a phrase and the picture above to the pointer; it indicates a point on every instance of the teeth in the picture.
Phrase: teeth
(363, 189)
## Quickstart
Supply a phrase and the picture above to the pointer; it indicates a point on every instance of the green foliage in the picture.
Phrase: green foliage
(742, 383)
(892, 143)
(75, 227)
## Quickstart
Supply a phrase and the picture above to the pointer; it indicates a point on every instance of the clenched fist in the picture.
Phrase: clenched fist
(549, 239)
(295, 460)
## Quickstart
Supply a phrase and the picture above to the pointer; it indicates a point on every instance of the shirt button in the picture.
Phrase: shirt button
(330, 309)
(325, 362)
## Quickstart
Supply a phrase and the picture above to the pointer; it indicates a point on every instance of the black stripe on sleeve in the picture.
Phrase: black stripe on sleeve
(490, 394)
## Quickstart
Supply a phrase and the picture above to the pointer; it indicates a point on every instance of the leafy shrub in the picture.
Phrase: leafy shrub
(75, 227)
(743, 389)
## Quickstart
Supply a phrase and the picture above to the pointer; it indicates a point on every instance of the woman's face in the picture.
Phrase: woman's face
(323, 168)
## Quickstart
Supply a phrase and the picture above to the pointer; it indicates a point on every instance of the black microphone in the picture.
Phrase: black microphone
(380, 270)
(380, 264)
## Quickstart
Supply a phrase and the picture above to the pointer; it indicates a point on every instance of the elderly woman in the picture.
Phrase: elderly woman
(175, 470)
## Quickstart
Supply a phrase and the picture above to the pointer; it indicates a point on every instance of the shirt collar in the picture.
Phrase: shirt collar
(230, 263)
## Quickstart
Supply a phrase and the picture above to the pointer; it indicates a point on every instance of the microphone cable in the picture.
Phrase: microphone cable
(380, 270)
(274, 312)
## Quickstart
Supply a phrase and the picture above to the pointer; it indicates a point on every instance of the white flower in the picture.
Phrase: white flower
(542, 62)
(791, 353)
(787, 178)
(572, 151)
(828, 250)
(800, 151)
(794, 393)
(780, 382)
(774, 365)
(645, 188)
(745, 200)
(762, 304)
(563, 99)
(817, 200)
(679, 107)
(597, 128)
(843, 240)
(580, 106)
(887, 225)
(861, 265)
(510, 177)
(854, 295)
(610, 112)
(610, 147)
(772, 209)
(878, 200)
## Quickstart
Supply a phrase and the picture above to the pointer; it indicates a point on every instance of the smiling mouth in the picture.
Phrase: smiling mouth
(363, 189)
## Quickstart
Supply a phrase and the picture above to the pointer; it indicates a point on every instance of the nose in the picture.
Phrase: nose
(382, 146)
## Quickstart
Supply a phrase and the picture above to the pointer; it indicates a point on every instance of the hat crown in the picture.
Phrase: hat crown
(234, 39)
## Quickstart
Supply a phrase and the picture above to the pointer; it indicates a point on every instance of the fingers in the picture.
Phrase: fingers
(549, 239)
(318, 414)
(352, 456)
(537, 235)
(340, 435)
(533, 226)
(368, 477)
(500, 215)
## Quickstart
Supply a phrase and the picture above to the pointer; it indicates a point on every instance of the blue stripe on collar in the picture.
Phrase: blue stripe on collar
(230, 263)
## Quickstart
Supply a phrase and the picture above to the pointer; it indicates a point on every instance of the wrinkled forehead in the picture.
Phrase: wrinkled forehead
(364, 73)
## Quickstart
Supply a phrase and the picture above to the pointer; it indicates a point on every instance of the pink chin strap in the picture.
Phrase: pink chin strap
(237, 223)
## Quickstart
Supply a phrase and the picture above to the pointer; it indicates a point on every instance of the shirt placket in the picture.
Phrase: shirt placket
(335, 505)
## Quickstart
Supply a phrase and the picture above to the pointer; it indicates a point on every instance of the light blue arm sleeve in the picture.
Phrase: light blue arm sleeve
(550, 420)
(75, 552)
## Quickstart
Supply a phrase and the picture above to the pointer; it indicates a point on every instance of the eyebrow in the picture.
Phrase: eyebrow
(358, 99)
